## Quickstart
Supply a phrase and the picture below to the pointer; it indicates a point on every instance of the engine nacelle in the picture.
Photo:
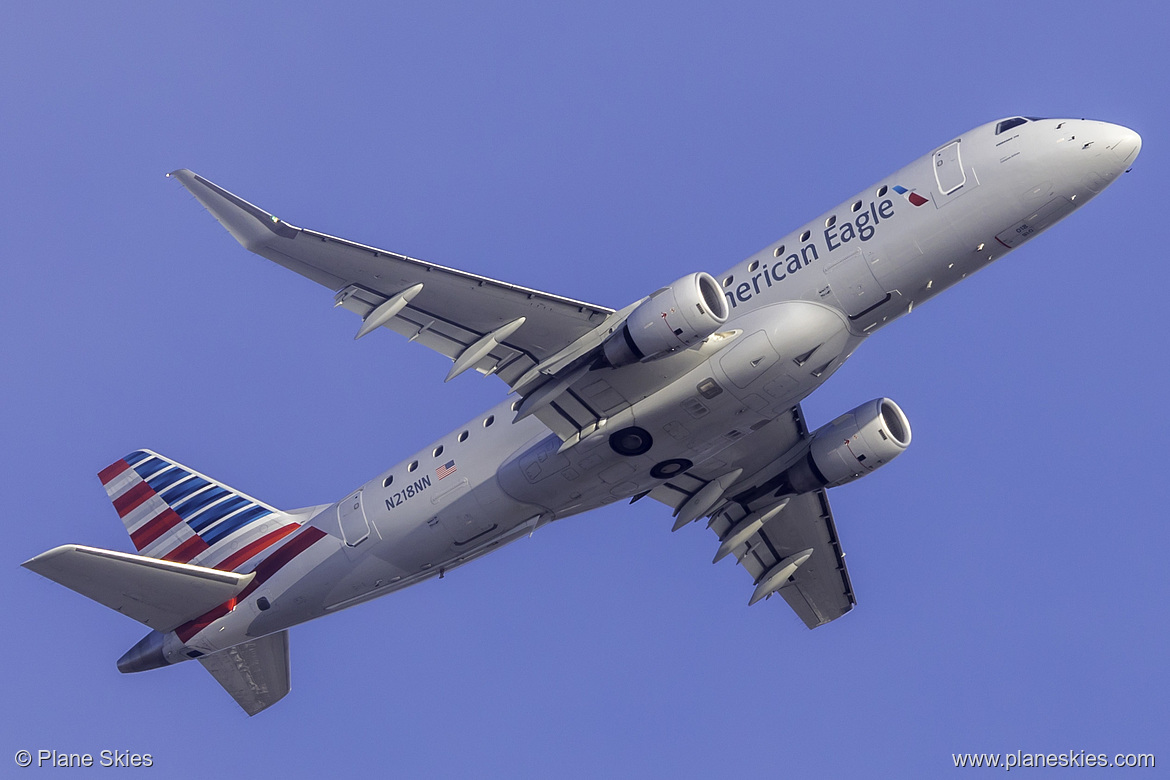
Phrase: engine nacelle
(853, 445)
(674, 318)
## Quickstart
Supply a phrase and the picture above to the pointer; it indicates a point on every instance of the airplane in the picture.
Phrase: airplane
(689, 396)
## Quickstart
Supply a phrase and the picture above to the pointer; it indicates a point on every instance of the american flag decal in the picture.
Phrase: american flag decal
(446, 470)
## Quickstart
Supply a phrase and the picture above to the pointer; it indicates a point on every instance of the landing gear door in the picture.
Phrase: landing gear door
(351, 516)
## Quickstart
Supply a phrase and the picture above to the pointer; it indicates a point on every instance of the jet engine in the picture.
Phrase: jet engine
(674, 318)
(850, 447)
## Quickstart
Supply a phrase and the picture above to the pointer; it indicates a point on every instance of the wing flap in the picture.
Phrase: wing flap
(161, 594)
(255, 673)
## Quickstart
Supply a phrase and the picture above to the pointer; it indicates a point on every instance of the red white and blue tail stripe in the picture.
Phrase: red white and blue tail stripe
(177, 514)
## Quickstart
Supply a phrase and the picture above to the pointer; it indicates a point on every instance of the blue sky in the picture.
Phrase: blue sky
(1009, 567)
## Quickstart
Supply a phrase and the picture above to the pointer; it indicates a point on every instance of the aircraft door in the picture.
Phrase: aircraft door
(351, 516)
(854, 286)
(948, 169)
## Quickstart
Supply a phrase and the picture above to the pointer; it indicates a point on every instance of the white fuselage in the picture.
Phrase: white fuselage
(798, 310)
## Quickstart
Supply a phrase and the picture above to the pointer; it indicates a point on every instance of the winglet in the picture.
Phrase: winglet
(251, 225)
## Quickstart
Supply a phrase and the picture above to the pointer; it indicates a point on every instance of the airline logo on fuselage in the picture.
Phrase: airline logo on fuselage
(861, 227)
(912, 196)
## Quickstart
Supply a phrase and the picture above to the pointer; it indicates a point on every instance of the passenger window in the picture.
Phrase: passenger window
(438, 451)
(755, 264)
(463, 436)
(412, 466)
(386, 482)
(779, 250)
(491, 418)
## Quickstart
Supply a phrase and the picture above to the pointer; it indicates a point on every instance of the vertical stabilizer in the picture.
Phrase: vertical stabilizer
(176, 514)
(255, 673)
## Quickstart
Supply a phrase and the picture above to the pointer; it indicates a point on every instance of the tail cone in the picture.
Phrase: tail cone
(147, 654)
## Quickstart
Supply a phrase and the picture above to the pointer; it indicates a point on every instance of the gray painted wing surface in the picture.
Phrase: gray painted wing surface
(452, 312)
(256, 673)
(820, 590)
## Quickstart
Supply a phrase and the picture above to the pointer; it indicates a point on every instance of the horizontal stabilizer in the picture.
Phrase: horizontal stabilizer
(161, 594)
(255, 673)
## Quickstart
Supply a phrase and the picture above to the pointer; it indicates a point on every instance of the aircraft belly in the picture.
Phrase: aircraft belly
(785, 351)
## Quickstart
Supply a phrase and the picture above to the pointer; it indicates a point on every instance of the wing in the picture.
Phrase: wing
(480, 323)
(544, 346)
(766, 534)
(819, 591)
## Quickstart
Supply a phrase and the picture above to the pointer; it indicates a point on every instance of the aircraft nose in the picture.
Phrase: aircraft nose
(1126, 145)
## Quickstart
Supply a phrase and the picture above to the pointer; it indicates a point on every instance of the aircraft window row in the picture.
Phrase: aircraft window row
(463, 436)
(829, 222)
(1008, 124)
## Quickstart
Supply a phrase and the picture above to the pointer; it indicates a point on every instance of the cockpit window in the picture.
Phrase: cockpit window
(1008, 124)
